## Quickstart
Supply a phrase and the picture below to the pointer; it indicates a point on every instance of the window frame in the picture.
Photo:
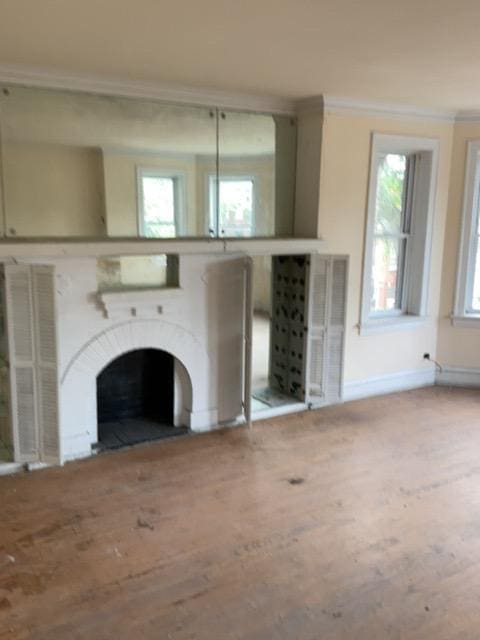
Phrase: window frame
(179, 198)
(213, 190)
(418, 210)
(463, 313)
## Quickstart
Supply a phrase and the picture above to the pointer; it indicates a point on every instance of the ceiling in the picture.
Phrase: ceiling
(414, 52)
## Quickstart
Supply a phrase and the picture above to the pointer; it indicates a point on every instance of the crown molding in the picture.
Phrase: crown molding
(333, 104)
(114, 86)
(312, 104)
(468, 115)
(14, 74)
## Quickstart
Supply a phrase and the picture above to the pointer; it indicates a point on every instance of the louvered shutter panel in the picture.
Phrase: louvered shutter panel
(46, 361)
(248, 327)
(18, 292)
(317, 320)
(336, 330)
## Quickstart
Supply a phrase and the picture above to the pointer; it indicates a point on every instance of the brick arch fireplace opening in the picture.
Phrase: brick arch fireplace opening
(136, 398)
(78, 383)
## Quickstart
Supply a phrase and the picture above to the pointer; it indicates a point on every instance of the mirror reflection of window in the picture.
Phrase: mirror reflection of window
(160, 204)
(234, 215)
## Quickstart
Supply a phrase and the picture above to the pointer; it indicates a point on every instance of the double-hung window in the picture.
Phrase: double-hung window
(467, 295)
(231, 210)
(398, 234)
(160, 203)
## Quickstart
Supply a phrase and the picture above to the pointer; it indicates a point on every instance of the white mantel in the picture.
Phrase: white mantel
(13, 248)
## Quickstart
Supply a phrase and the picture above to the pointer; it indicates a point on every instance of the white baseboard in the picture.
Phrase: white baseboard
(379, 385)
(7, 468)
(458, 377)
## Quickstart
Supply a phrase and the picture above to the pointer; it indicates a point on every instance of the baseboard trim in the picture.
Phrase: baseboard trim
(458, 377)
(380, 385)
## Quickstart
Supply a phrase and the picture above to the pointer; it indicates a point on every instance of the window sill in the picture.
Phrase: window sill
(395, 323)
(472, 321)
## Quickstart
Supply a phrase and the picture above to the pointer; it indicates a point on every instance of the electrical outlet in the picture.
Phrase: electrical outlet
(426, 356)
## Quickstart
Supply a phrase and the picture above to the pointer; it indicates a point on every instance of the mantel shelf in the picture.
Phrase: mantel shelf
(14, 248)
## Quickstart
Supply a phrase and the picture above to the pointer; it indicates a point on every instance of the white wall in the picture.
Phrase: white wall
(201, 323)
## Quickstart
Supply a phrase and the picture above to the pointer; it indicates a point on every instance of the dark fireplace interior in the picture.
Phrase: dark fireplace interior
(135, 399)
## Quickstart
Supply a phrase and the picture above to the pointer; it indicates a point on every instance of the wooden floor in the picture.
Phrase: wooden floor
(357, 522)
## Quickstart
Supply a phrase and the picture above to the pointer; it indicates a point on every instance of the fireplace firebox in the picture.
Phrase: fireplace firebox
(135, 396)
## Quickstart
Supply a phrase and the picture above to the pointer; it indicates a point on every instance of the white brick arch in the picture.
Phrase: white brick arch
(78, 380)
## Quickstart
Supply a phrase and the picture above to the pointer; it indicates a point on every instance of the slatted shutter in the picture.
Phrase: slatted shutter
(18, 294)
(326, 329)
(317, 322)
(336, 330)
(248, 327)
(46, 361)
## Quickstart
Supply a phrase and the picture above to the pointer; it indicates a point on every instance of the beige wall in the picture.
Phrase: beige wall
(342, 215)
(53, 190)
(457, 346)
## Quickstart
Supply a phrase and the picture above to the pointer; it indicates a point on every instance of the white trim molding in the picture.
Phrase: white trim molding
(348, 106)
(418, 209)
(468, 115)
(48, 79)
(396, 323)
(175, 93)
(458, 377)
(389, 383)
(463, 315)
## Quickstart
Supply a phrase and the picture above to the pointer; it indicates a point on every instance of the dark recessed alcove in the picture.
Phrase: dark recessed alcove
(135, 395)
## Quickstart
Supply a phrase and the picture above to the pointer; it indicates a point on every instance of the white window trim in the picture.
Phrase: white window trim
(461, 316)
(180, 197)
(212, 195)
(414, 311)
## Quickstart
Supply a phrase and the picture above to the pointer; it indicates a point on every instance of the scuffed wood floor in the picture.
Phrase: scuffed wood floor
(357, 522)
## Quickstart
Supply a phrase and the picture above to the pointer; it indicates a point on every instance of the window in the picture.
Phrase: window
(398, 234)
(467, 296)
(160, 204)
(234, 216)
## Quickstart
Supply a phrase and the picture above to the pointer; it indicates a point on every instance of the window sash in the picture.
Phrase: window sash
(405, 226)
(474, 246)
(214, 205)
(178, 203)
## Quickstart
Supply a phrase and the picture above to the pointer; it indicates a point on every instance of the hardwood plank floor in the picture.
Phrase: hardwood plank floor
(358, 522)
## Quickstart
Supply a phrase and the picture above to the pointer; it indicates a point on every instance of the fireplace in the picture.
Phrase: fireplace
(135, 399)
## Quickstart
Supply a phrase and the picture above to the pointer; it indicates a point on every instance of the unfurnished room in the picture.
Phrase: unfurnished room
(239, 320)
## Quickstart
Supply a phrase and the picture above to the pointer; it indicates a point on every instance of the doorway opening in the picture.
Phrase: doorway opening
(278, 327)
(135, 399)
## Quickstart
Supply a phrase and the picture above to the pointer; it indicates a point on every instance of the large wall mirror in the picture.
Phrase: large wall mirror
(84, 165)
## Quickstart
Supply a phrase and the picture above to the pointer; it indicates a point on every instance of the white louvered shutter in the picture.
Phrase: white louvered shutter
(326, 329)
(18, 293)
(335, 330)
(46, 361)
(248, 328)
(316, 328)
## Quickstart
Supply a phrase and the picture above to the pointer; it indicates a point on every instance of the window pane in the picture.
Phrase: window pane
(387, 258)
(159, 206)
(476, 279)
(236, 207)
(389, 200)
